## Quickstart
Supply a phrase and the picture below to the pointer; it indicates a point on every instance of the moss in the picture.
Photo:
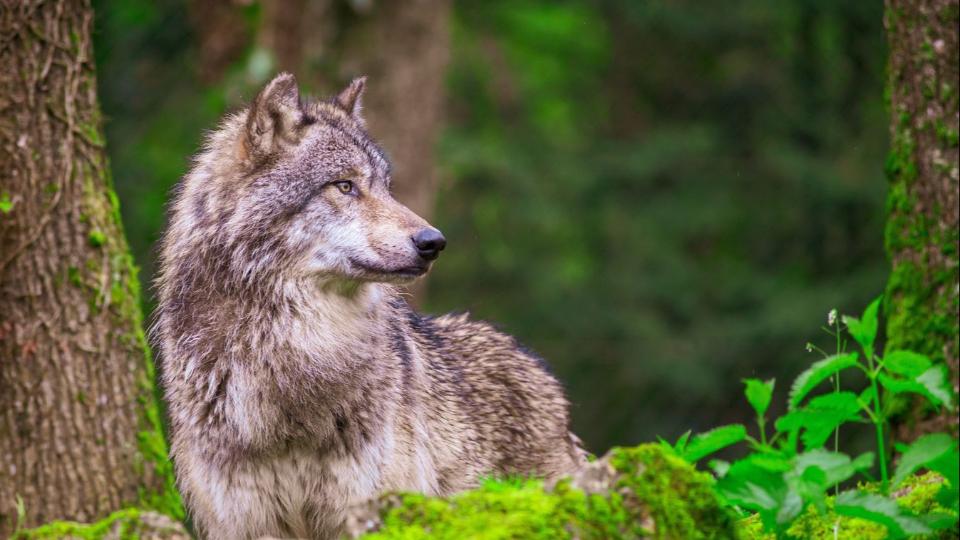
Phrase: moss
(125, 524)
(73, 275)
(921, 301)
(121, 297)
(918, 496)
(918, 317)
(125, 293)
(6, 205)
(97, 238)
(679, 498)
(126, 519)
(655, 495)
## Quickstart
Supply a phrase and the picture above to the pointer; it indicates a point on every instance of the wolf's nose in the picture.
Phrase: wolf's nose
(429, 243)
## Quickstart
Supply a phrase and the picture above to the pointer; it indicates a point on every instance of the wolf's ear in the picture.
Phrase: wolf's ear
(350, 99)
(276, 116)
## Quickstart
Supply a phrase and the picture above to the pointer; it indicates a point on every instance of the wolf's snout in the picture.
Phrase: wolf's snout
(429, 242)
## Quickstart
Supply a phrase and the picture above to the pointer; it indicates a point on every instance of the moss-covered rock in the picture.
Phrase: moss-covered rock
(127, 524)
(641, 492)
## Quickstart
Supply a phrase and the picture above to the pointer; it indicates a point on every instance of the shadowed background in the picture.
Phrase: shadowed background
(660, 198)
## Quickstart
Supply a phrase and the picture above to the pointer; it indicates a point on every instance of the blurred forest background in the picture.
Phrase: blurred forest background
(661, 198)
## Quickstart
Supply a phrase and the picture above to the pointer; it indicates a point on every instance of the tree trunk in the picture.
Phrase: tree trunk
(403, 47)
(221, 35)
(921, 236)
(79, 430)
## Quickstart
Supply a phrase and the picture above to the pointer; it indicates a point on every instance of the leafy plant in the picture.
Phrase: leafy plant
(791, 469)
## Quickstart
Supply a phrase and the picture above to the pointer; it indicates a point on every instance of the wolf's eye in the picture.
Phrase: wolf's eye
(345, 186)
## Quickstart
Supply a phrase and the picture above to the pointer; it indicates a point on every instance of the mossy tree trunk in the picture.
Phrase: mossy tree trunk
(921, 236)
(79, 432)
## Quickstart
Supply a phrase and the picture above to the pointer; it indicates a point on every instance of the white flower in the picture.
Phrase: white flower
(809, 347)
(832, 317)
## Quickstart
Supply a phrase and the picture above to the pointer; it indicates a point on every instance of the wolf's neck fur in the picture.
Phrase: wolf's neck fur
(336, 320)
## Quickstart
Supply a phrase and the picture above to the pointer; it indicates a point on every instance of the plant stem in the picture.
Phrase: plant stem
(878, 423)
(836, 389)
(761, 422)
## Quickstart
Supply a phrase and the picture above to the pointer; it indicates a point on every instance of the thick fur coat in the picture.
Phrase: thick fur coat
(298, 380)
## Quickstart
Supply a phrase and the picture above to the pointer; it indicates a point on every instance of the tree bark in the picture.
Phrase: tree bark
(921, 236)
(221, 35)
(79, 430)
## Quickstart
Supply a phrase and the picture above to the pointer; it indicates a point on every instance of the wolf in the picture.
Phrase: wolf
(298, 380)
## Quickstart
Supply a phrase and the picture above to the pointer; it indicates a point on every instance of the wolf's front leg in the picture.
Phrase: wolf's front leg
(253, 499)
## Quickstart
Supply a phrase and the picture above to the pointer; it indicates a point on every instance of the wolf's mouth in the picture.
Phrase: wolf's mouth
(406, 271)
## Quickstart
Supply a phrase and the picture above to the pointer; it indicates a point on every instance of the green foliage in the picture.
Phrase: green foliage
(656, 495)
(817, 373)
(936, 452)
(917, 497)
(704, 444)
(821, 417)
(780, 483)
(883, 510)
(759, 393)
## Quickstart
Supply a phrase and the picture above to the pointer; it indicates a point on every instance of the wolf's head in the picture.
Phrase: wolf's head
(299, 187)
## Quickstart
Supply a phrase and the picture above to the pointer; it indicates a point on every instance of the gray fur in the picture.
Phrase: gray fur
(298, 380)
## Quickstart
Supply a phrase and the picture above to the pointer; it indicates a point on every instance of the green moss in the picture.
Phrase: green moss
(679, 499)
(6, 205)
(125, 293)
(921, 304)
(919, 317)
(125, 524)
(657, 495)
(121, 298)
(73, 275)
(919, 497)
(946, 135)
(97, 238)
(125, 521)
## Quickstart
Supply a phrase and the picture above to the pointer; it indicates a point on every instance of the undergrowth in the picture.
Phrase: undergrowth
(795, 477)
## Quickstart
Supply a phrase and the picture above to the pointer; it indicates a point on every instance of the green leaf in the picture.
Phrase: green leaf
(937, 383)
(868, 395)
(906, 363)
(759, 393)
(932, 384)
(816, 471)
(864, 329)
(864, 461)
(879, 509)
(817, 373)
(704, 444)
(821, 417)
(771, 462)
(948, 466)
(756, 488)
(719, 467)
(923, 451)
(681, 443)
(836, 467)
